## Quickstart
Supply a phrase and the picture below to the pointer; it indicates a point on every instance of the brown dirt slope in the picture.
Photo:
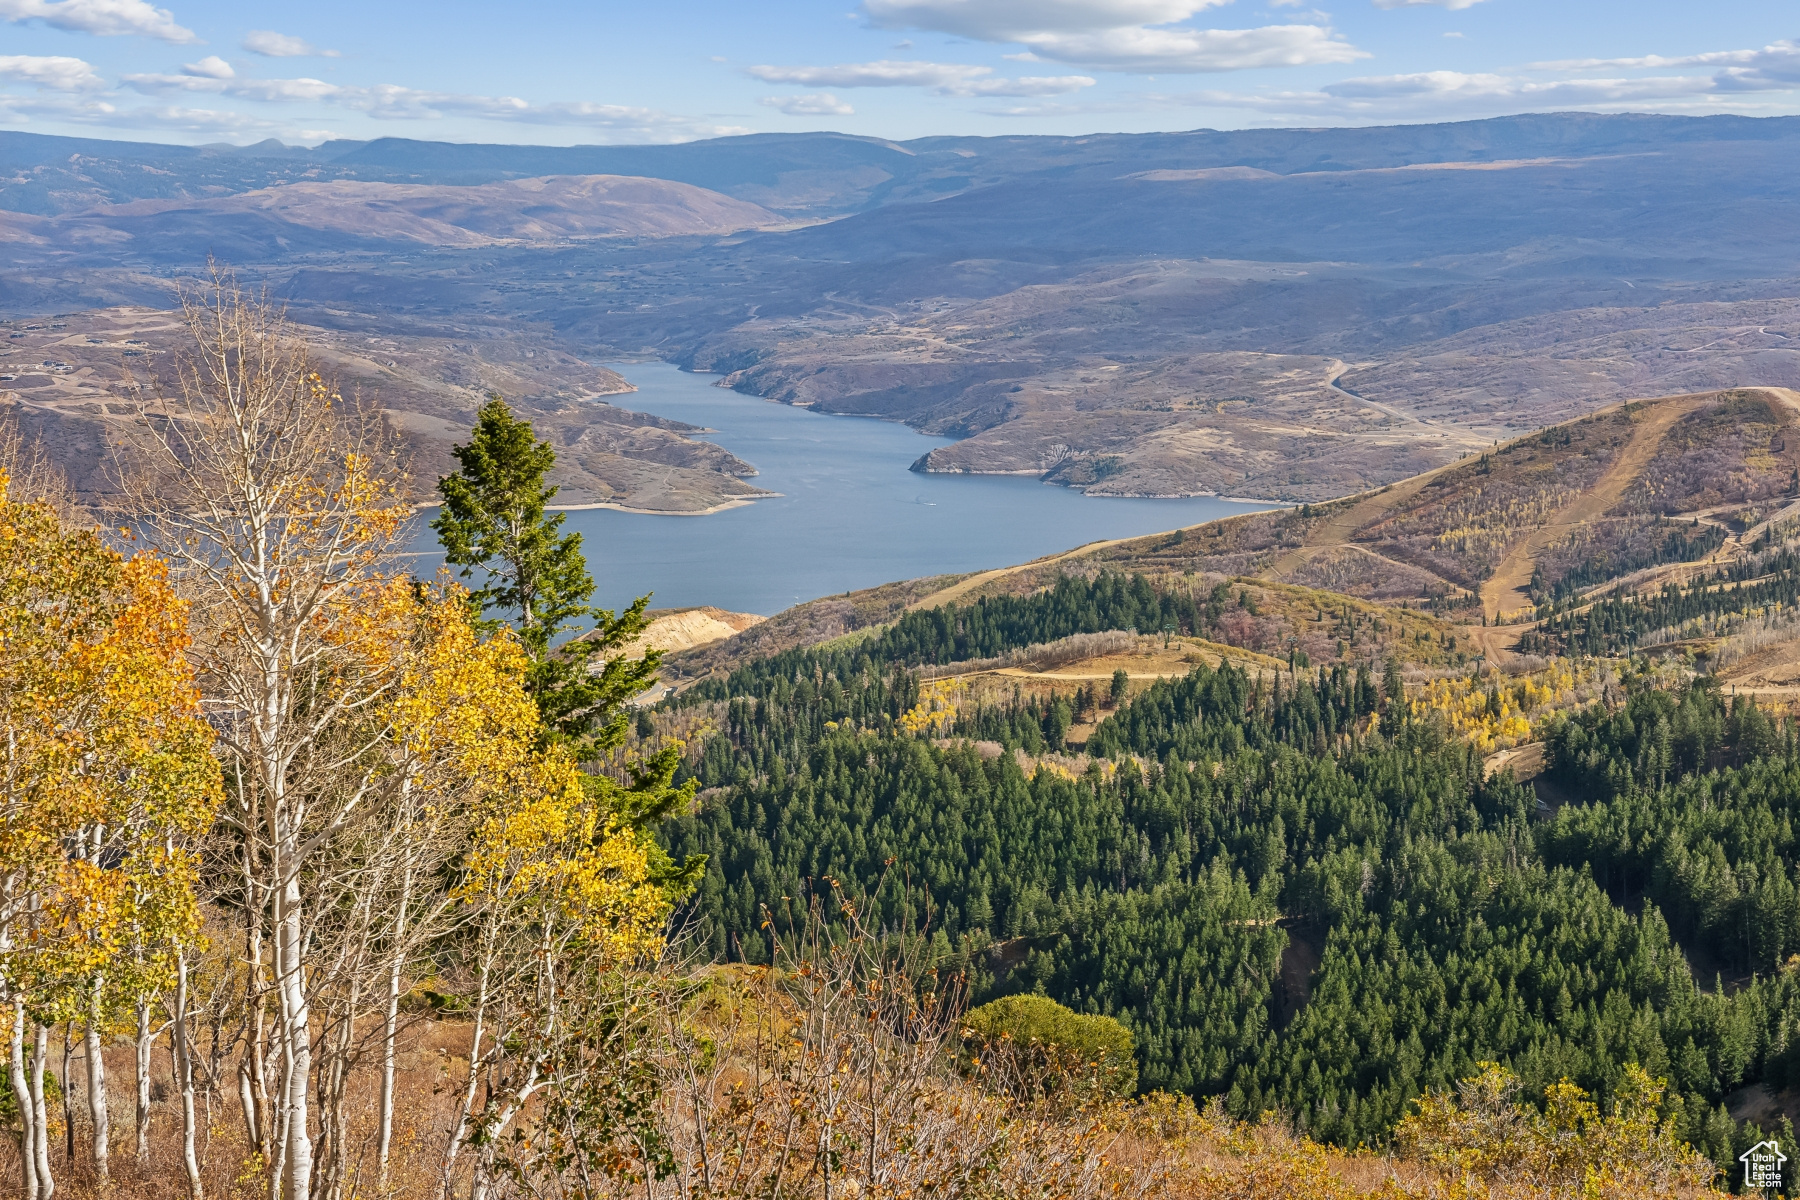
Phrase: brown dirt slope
(1435, 543)
(1506, 589)
(1345, 521)
(1593, 495)
(546, 209)
(69, 383)
(672, 630)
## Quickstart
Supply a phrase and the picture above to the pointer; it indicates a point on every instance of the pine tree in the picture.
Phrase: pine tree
(493, 524)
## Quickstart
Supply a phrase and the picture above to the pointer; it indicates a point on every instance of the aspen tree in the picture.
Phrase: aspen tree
(278, 502)
(104, 765)
(458, 723)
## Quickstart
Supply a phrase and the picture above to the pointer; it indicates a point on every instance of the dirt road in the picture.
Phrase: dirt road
(957, 591)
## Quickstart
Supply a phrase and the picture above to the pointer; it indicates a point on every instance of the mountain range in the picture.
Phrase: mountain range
(1285, 314)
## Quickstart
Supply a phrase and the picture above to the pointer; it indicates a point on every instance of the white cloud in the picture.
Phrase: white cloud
(210, 67)
(392, 102)
(104, 18)
(1119, 35)
(51, 72)
(946, 79)
(1775, 66)
(821, 104)
(1452, 5)
(1025, 85)
(1437, 95)
(1014, 20)
(270, 44)
(887, 73)
(1749, 82)
(1436, 86)
(195, 120)
(1176, 51)
(102, 113)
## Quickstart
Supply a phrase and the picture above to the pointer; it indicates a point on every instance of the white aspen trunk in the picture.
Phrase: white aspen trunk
(333, 1143)
(40, 1113)
(96, 1087)
(145, 1041)
(184, 1078)
(390, 1026)
(461, 1130)
(258, 492)
(278, 1140)
(248, 1101)
(253, 1089)
(21, 1088)
(484, 1162)
(296, 1021)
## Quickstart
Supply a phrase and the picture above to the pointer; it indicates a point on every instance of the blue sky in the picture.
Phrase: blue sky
(672, 70)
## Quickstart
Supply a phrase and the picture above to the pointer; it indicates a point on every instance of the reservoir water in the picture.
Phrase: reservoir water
(850, 514)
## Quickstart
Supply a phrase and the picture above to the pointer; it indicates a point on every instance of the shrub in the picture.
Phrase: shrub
(1050, 1048)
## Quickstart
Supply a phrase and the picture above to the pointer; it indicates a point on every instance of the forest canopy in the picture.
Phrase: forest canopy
(1229, 820)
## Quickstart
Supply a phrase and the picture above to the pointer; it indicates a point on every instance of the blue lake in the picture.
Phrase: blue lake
(850, 514)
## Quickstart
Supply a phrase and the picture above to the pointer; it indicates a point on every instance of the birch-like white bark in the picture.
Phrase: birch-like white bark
(98, 1112)
(145, 1041)
(21, 1089)
(184, 1079)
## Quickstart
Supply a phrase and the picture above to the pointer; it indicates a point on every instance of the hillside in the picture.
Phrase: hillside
(1325, 803)
(1283, 314)
(67, 380)
(1640, 492)
(348, 214)
(818, 174)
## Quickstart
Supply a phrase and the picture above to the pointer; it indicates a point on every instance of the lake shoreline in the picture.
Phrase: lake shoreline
(734, 502)
(845, 513)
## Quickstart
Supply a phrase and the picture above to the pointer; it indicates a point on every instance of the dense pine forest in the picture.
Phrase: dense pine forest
(1227, 829)
(1714, 603)
(990, 626)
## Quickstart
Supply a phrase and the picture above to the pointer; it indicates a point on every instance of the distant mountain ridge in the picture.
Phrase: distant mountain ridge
(822, 174)
(1289, 314)
(546, 209)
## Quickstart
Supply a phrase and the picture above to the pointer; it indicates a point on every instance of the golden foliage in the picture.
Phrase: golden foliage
(1493, 715)
(935, 713)
(1566, 1148)
(107, 765)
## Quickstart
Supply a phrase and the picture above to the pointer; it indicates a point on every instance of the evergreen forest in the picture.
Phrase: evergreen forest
(1295, 893)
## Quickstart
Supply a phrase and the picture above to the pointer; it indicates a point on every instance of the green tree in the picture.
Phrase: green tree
(1054, 1046)
(493, 524)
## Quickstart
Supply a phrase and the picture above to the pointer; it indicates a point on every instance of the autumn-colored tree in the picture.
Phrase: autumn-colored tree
(1565, 1148)
(105, 777)
(278, 502)
(562, 896)
(494, 525)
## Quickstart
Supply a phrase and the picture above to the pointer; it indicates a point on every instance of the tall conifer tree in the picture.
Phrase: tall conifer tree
(494, 525)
